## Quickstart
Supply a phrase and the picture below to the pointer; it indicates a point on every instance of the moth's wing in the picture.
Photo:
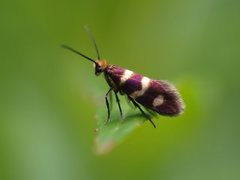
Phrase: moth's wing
(163, 98)
(132, 84)
(159, 96)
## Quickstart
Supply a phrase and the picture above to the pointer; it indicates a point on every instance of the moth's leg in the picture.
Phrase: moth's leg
(110, 100)
(118, 102)
(152, 113)
(139, 107)
(107, 104)
(131, 105)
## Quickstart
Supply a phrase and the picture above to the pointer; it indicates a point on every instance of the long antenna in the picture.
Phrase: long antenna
(77, 52)
(93, 40)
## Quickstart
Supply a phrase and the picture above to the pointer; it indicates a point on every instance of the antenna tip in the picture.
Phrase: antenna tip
(67, 47)
(64, 46)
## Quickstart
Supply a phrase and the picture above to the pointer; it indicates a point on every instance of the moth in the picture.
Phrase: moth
(158, 96)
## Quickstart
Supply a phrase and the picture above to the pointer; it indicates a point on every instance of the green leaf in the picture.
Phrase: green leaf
(113, 133)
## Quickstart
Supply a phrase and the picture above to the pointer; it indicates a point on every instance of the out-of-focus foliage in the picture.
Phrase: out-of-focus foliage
(49, 97)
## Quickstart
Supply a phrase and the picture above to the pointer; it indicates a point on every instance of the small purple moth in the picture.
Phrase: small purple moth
(156, 95)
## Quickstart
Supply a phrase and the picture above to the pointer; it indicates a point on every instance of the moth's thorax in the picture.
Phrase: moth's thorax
(114, 70)
(113, 75)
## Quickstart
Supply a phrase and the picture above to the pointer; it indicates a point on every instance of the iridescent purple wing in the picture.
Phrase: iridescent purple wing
(157, 95)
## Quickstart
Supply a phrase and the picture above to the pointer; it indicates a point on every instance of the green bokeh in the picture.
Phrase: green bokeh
(49, 96)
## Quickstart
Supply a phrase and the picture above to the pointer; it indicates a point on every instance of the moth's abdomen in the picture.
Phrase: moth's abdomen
(159, 96)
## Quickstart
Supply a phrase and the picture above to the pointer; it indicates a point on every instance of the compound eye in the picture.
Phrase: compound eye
(98, 70)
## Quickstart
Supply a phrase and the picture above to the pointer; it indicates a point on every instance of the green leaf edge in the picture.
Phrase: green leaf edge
(110, 135)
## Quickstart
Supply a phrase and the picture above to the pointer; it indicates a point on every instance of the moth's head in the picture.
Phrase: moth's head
(100, 66)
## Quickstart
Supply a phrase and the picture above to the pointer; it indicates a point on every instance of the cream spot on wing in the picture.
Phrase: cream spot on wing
(145, 84)
(158, 101)
(126, 75)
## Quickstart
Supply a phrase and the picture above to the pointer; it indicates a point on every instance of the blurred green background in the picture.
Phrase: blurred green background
(49, 97)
